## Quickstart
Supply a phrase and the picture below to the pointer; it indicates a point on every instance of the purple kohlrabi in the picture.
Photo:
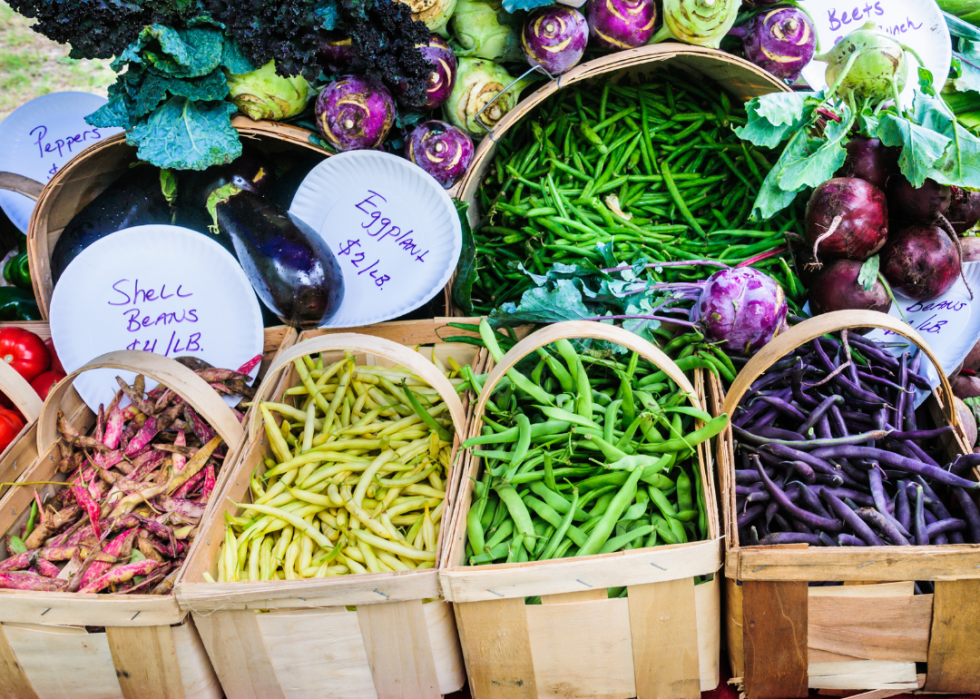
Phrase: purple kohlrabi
(622, 24)
(781, 41)
(441, 80)
(355, 112)
(555, 38)
(740, 307)
(441, 149)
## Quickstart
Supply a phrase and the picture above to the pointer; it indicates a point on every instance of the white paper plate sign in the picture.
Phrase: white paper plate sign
(393, 228)
(160, 289)
(947, 323)
(39, 137)
(918, 24)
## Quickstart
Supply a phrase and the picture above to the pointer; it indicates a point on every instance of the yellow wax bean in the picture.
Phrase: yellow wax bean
(278, 444)
(370, 560)
(352, 552)
(292, 519)
(309, 427)
(330, 412)
(312, 498)
(395, 548)
(292, 552)
(304, 376)
(328, 518)
(267, 568)
(305, 552)
(428, 532)
(255, 559)
(358, 406)
(333, 493)
(417, 489)
(410, 504)
(368, 476)
(292, 413)
(231, 557)
(392, 529)
(279, 552)
(316, 455)
(355, 567)
(408, 480)
(358, 513)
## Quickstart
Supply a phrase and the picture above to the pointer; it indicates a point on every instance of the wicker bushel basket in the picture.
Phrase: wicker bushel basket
(84, 177)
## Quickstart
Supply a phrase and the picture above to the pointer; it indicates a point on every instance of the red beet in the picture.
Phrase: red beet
(966, 386)
(917, 205)
(836, 288)
(964, 209)
(920, 261)
(846, 218)
(870, 160)
(967, 420)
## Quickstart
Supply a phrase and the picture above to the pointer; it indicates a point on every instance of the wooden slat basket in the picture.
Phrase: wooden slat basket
(141, 645)
(365, 636)
(785, 637)
(90, 172)
(662, 641)
(22, 451)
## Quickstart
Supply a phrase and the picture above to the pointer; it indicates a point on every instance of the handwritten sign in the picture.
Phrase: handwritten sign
(160, 289)
(40, 137)
(916, 23)
(947, 323)
(393, 229)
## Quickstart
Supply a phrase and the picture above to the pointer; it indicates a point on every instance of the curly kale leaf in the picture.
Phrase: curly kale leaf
(102, 28)
(385, 36)
(287, 32)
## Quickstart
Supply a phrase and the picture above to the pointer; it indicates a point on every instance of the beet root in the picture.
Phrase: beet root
(971, 248)
(964, 209)
(846, 218)
(966, 386)
(967, 421)
(923, 204)
(870, 160)
(920, 262)
(836, 288)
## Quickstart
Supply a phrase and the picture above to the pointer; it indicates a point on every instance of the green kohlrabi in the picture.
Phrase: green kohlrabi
(264, 94)
(478, 83)
(482, 29)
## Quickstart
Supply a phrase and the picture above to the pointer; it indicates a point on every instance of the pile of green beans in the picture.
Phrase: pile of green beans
(585, 455)
(665, 149)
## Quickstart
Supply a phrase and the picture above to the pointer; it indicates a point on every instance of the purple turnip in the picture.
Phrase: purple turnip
(920, 261)
(441, 80)
(917, 204)
(440, 149)
(836, 288)
(555, 38)
(870, 160)
(846, 218)
(740, 307)
(964, 209)
(781, 41)
(355, 112)
(621, 24)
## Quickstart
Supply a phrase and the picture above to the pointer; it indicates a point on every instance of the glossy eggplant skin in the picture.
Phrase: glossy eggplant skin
(289, 265)
(251, 171)
(135, 199)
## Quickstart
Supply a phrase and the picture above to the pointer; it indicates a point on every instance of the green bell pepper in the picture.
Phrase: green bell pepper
(18, 304)
(17, 271)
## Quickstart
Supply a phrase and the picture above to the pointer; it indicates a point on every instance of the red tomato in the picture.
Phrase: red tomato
(55, 362)
(24, 351)
(43, 383)
(10, 425)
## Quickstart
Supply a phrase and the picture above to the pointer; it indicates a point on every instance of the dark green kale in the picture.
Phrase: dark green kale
(102, 28)
(291, 32)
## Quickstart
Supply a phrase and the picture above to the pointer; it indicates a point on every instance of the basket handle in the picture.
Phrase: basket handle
(808, 330)
(377, 346)
(575, 329)
(172, 374)
(13, 182)
(20, 393)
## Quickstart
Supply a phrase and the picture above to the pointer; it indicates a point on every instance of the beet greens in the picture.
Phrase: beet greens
(830, 452)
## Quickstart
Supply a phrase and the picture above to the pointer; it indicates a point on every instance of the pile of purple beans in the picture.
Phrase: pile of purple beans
(829, 452)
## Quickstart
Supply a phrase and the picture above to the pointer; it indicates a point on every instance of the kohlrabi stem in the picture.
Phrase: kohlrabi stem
(840, 78)
(898, 96)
